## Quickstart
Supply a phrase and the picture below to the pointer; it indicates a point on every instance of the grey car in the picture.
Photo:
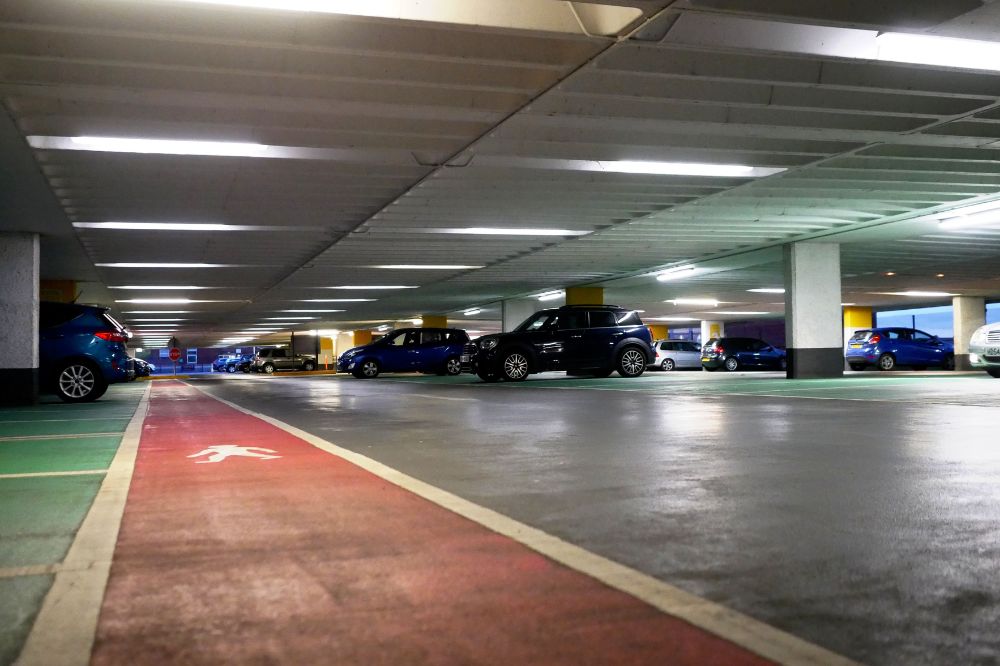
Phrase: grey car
(279, 358)
(676, 354)
(984, 349)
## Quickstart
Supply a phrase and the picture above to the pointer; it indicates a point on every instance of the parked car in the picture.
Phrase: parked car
(676, 354)
(984, 349)
(581, 339)
(279, 358)
(436, 350)
(887, 348)
(82, 350)
(742, 354)
(239, 363)
(219, 364)
(143, 368)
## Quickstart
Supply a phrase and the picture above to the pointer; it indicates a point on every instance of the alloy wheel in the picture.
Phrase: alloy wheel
(77, 381)
(667, 365)
(515, 366)
(369, 369)
(453, 366)
(732, 364)
(632, 363)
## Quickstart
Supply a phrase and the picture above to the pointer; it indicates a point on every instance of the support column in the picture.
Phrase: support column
(516, 310)
(712, 329)
(856, 319)
(362, 337)
(19, 273)
(585, 296)
(813, 320)
(658, 331)
(434, 321)
(969, 313)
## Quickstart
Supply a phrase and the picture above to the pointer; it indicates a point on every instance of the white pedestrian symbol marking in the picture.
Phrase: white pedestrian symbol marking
(220, 452)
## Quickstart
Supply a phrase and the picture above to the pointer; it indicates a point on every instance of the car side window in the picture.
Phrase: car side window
(431, 337)
(758, 345)
(412, 339)
(571, 320)
(687, 346)
(602, 319)
(279, 353)
(628, 319)
(398, 339)
(665, 346)
(920, 336)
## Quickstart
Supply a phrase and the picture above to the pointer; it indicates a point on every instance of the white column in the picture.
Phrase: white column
(19, 261)
(969, 313)
(516, 310)
(813, 316)
(712, 329)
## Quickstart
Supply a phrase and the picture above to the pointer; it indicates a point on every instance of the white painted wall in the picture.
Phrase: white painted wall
(516, 310)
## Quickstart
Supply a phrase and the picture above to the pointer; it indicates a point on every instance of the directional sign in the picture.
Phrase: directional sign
(219, 452)
(175, 354)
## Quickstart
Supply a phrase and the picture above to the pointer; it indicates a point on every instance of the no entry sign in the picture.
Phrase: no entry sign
(175, 354)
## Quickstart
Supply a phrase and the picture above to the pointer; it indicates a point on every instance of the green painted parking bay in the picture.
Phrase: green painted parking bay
(45, 456)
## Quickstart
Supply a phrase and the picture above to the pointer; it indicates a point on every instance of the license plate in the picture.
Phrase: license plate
(704, 359)
(466, 358)
(855, 345)
(993, 351)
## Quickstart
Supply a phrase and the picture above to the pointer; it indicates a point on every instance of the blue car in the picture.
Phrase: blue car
(886, 348)
(734, 354)
(437, 350)
(82, 351)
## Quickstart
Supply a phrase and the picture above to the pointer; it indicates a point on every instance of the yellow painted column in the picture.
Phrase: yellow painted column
(60, 291)
(857, 317)
(362, 338)
(584, 295)
(659, 331)
(435, 321)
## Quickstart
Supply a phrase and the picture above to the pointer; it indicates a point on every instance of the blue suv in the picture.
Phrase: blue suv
(436, 350)
(885, 348)
(82, 350)
(580, 339)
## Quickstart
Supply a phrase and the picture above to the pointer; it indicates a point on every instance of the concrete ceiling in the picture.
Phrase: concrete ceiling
(384, 130)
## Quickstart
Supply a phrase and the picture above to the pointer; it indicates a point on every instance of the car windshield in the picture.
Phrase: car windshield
(537, 321)
(861, 336)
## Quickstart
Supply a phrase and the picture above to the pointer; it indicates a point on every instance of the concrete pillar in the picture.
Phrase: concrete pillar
(19, 262)
(969, 313)
(658, 331)
(516, 310)
(362, 337)
(813, 316)
(435, 321)
(584, 296)
(712, 329)
(856, 319)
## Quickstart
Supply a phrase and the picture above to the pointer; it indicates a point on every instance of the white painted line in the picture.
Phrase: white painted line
(31, 475)
(25, 438)
(440, 397)
(95, 418)
(29, 570)
(63, 634)
(742, 630)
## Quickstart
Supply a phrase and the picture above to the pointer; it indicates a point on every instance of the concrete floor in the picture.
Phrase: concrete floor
(861, 514)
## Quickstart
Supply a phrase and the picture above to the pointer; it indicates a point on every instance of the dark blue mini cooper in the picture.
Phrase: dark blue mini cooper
(436, 350)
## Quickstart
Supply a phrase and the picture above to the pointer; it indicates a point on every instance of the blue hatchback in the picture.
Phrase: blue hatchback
(82, 350)
(885, 348)
(437, 350)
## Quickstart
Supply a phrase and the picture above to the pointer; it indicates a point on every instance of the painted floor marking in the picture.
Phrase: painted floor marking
(741, 630)
(29, 570)
(93, 418)
(24, 438)
(28, 475)
(440, 397)
(220, 452)
(63, 633)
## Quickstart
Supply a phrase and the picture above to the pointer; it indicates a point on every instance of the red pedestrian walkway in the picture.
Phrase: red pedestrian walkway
(299, 557)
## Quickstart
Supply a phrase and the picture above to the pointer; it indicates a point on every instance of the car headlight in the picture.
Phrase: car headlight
(488, 344)
(979, 337)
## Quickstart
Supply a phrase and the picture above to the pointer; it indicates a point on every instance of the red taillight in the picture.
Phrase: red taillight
(874, 339)
(718, 350)
(111, 336)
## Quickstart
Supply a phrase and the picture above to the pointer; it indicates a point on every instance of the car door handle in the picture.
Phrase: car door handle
(576, 336)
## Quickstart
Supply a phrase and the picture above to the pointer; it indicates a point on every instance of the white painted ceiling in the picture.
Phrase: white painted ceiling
(396, 126)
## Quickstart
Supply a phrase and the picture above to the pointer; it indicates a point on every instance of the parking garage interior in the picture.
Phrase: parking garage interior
(214, 180)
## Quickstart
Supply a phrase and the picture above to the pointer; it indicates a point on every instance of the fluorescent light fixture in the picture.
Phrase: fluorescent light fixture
(336, 300)
(425, 267)
(158, 287)
(270, 318)
(166, 226)
(938, 51)
(373, 286)
(501, 231)
(279, 323)
(551, 295)
(158, 311)
(161, 265)
(767, 290)
(711, 302)
(922, 294)
(309, 311)
(473, 311)
(159, 319)
(138, 350)
(166, 301)
(417, 321)
(675, 273)
(678, 168)
(740, 312)
(112, 144)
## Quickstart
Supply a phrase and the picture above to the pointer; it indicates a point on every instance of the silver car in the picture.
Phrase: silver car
(674, 354)
(984, 349)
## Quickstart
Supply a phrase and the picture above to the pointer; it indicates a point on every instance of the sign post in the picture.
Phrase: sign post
(175, 354)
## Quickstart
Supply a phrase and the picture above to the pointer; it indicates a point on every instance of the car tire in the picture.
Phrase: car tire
(886, 362)
(993, 372)
(268, 369)
(231, 369)
(514, 366)
(602, 373)
(453, 366)
(783, 364)
(857, 366)
(246, 369)
(732, 364)
(668, 365)
(631, 362)
(78, 381)
(308, 366)
(949, 363)
(368, 369)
